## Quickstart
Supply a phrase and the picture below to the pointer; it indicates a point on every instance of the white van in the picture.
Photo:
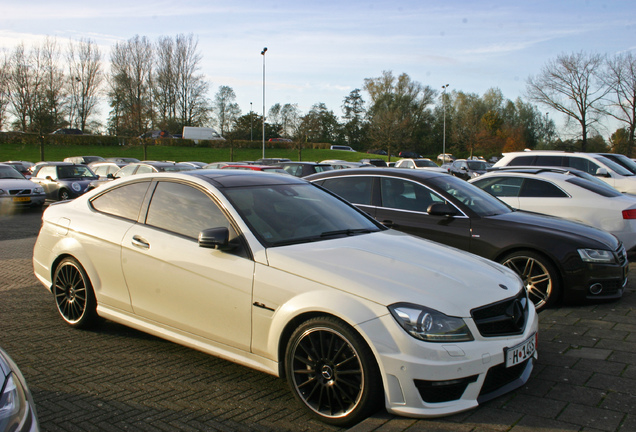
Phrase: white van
(201, 133)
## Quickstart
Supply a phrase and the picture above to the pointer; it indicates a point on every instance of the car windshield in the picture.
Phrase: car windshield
(7, 172)
(287, 214)
(423, 163)
(619, 169)
(74, 171)
(477, 165)
(479, 201)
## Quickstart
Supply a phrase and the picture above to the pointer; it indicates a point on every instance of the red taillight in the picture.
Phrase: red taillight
(629, 214)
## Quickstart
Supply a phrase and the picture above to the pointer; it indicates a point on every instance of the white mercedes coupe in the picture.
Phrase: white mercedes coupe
(279, 275)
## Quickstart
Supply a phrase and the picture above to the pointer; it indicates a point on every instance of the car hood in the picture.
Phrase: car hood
(17, 184)
(389, 267)
(580, 234)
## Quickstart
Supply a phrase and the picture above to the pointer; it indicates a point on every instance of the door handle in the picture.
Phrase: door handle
(140, 242)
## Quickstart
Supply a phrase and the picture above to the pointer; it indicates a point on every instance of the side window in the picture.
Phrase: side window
(501, 186)
(521, 161)
(356, 190)
(48, 171)
(184, 210)
(144, 169)
(557, 161)
(124, 201)
(126, 171)
(406, 195)
(541, 189)
(583, 164)
(295, 170)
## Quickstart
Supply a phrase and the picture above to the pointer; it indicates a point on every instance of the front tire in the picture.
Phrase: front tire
(333, 372)
(539, 275)
(74, 295)
(64, 195)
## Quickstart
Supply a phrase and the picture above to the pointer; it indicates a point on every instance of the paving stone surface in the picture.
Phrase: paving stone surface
(115, 378)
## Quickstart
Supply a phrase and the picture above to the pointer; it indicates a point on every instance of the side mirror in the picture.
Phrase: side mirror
(442, 209)
(215, 238)
(602, 172)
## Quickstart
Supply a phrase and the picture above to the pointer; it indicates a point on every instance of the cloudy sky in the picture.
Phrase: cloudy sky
(319, 51)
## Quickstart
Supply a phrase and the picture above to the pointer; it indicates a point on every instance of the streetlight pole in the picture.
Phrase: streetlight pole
(444, 87)
(263, 54)
(251, 122)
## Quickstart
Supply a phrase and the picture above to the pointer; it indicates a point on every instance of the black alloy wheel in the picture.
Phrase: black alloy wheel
(539, 277)
(333, 372)
(74, 294)
(64, 195)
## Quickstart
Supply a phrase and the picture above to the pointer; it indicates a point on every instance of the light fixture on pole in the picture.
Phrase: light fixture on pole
(444, 87)
(263, 54)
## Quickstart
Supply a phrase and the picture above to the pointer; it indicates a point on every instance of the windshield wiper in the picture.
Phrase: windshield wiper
(348, 232)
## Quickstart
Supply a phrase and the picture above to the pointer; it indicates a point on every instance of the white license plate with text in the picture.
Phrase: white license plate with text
(521, 352)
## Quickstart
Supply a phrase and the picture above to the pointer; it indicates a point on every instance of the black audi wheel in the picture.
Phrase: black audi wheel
(333, 372)
(74, 294)
(539, 277)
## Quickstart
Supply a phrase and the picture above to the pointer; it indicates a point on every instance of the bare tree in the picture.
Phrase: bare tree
(193, 108)
(84, 81)
(225, 108)
(21, 81)
(620, 77)
(571, 84)
(50, 110)
(4, 89)
(130, 86)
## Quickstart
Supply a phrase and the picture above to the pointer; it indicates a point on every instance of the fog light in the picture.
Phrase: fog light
(596, 289)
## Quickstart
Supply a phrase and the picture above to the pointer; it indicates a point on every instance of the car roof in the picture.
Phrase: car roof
(229, 178)
(388, 171)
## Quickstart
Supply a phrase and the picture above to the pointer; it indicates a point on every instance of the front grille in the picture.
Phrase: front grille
(443, 391)
(500, 376)
(504, 318)
(621, 254)
(18, 192)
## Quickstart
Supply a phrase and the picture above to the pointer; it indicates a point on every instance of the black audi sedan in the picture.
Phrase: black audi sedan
(558, 260)
(63, 180)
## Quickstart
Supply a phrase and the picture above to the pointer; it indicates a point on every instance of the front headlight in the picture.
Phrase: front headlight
(430, 325)
(13, 404)
(597, 256)
(76, 187)
(3, 192)
(38, 190)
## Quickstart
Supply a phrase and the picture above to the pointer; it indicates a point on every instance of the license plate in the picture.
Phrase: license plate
(521, 352)
(21, 199)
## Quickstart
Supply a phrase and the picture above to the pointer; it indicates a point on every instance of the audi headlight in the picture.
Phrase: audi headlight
(430, 325)
(17, 411)
(597, 256)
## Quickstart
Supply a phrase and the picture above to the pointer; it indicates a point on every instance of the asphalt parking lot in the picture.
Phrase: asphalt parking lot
(115, 378)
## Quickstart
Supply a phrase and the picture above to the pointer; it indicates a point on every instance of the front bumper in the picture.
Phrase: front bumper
(424, 379)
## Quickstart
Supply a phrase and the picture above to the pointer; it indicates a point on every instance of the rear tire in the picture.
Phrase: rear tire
(333, 372)
(74, 295)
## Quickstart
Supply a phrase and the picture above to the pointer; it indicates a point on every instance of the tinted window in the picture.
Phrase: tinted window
(521, 161)
(500, 186)
(403, 194)
(540, 188)
(582, 164)
(423, 163)
(356, 190)
(479, 201)
(144, 169)
(74, 171)
(184, 210)
(124, 201)
(552, 160)
(619, 169)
